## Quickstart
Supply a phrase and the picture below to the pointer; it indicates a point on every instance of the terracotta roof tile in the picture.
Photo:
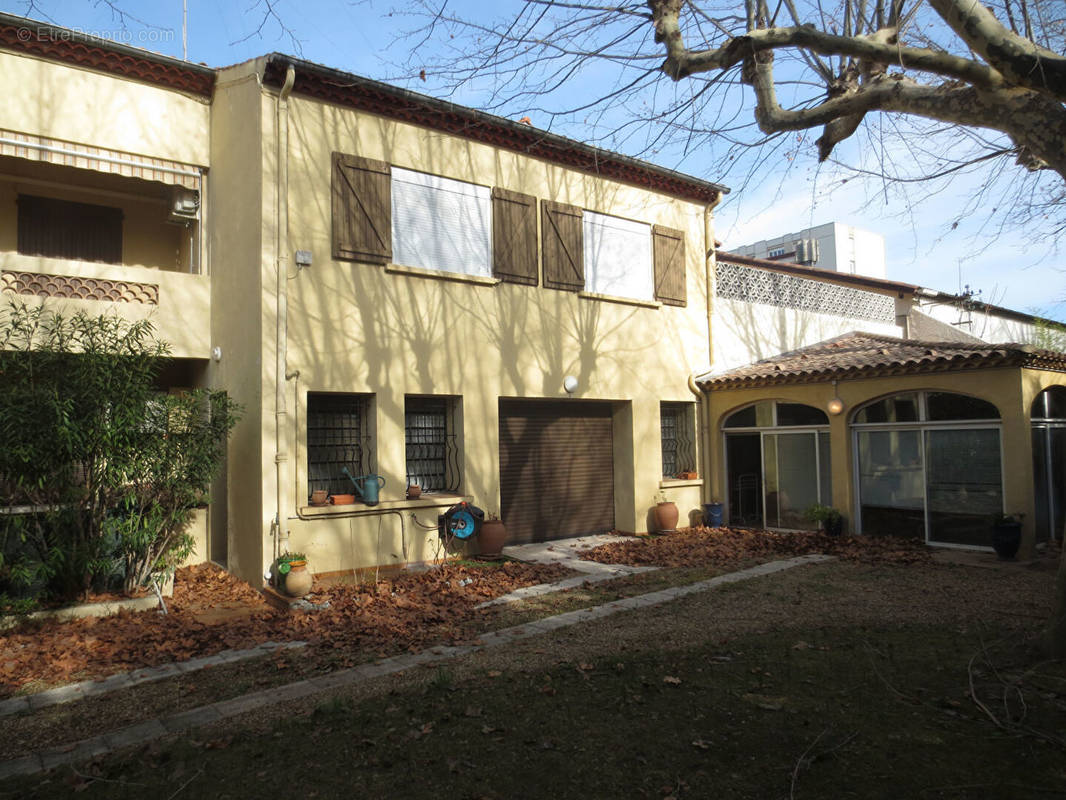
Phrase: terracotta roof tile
(868, 354)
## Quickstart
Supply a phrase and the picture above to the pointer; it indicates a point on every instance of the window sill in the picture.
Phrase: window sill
(458, 277)
(676, 483)
(626, 301)
(440, 500)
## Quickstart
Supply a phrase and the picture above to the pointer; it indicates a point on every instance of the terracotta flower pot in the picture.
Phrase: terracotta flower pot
(492, 537)
(319, 497)
(666, 516)
(342, 499)
(414, 491)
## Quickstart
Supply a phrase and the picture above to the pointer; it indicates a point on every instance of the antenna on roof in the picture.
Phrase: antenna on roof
(185, 30)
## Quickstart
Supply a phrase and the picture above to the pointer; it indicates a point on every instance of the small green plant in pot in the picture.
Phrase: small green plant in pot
(830, 518)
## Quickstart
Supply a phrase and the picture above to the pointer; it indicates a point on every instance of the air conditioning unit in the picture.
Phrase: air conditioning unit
(184, 206)
(806, 251)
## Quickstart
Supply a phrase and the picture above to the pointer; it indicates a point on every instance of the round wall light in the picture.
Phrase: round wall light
(835, 406)
(570, 384)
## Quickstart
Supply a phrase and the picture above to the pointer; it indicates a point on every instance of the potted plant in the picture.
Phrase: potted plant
(293, 576)
(831, 519)
(492, 536)
(1007, 535)
(666, 514)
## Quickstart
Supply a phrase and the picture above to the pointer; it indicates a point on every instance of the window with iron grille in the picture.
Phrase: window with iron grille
(677, 426)
(430, 437)
(338, 436)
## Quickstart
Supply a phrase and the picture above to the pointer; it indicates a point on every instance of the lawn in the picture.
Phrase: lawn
(848, 679)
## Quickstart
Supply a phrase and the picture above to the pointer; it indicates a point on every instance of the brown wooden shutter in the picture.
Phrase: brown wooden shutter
(668, 247)
(563, 254)
(362, 209)
(514, 237)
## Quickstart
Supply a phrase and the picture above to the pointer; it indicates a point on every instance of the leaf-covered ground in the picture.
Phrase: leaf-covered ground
(720, 546)
(212, 611)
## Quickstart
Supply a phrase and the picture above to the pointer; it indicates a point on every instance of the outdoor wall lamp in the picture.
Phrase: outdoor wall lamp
(836, 405)
(570, 384)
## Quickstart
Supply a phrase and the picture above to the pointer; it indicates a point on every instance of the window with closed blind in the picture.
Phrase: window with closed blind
(618, 257)
(65, 229)
(441, 224)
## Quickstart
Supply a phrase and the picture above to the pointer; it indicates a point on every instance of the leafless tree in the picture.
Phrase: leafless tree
(925, 89)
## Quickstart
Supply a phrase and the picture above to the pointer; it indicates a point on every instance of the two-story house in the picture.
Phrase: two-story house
(396, 286)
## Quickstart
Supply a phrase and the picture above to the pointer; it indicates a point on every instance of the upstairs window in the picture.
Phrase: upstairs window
(617, 256)
(65, 229)
(586, 251)
(441, 224)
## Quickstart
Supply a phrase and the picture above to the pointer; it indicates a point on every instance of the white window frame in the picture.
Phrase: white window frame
(441, 224)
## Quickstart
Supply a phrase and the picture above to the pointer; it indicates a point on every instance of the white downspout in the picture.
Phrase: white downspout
(281, 244)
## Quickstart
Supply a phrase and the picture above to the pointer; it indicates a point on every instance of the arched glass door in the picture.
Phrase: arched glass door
(777, 464)
(928, 465)
(1048, 416)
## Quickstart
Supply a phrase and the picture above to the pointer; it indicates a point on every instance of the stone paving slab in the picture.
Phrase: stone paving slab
(145, 732)
(124, 680)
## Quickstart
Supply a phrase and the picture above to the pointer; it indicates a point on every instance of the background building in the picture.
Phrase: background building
(833, 246)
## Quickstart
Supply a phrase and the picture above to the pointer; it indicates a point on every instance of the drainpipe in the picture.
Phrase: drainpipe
(701, 398)
(281, 245)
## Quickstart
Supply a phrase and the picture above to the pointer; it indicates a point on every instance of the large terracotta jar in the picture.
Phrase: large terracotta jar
(666, 515)
(298, 580)
(492, 537)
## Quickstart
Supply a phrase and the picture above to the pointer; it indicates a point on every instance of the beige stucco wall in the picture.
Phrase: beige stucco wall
(748, 332)
(240, 513)
(77, 105)
(1011, 390)
(356, 327)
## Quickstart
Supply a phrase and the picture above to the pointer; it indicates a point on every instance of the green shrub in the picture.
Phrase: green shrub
(97, 466)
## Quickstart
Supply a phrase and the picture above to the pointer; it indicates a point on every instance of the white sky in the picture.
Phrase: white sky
(921, 245)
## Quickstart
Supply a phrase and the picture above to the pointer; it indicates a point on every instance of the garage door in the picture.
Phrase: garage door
(556, 469)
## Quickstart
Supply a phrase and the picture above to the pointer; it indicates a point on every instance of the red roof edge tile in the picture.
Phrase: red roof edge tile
(353, 91)
(81, 50)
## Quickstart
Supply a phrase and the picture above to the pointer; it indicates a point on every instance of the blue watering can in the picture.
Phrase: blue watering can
(367, 486)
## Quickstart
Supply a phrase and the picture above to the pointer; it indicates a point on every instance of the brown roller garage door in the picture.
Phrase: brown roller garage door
(556, 469)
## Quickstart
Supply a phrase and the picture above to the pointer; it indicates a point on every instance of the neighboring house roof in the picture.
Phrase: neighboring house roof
(929, 329)
(354, 91)
(871, 355)
(817, 273)
(73, 47)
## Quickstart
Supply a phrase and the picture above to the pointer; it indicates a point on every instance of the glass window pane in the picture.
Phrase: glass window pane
(1058, 482)
(799, 414)
(770, 482)
(898, 408)
(1050, 404)
(744, 473)
(797, 479)
(891, 483)
(744, 418)
(948, 405)
(1041, 483)
(825, 470)
(965, 485)
(668, 427)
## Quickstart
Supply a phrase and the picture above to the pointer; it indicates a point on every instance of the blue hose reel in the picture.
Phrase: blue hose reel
(461, 521)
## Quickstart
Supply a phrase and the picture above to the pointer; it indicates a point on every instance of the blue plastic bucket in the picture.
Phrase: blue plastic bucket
(712, 515)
